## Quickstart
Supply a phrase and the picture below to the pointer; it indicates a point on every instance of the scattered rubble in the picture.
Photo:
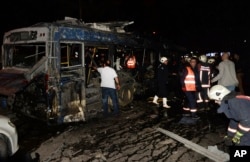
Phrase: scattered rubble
(132, 136)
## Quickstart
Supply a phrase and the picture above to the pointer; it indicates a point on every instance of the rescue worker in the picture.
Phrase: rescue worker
(237, 109)
(131, 62)
(162, 82)
(213, 69)
(204, 74)
(190, 82)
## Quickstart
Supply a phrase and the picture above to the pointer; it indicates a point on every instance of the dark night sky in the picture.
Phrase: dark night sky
(205, 25)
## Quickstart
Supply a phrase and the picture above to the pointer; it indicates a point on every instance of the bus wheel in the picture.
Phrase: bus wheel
(125, 95)
(3, 150)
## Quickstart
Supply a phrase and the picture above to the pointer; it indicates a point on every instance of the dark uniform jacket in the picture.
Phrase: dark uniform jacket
(162, 74)
(237, 109)
(162, 80)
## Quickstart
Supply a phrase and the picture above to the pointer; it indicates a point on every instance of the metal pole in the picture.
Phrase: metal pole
(195, 146)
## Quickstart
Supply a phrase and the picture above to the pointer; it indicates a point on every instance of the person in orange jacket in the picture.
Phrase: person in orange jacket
(190, 82)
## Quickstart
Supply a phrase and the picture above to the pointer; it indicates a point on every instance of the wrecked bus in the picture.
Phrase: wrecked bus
(45, 72)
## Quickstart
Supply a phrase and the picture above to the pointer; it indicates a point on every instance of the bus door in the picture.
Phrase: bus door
(72, 78)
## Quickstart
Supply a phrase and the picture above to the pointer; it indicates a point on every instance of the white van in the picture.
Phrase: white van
(8, 138)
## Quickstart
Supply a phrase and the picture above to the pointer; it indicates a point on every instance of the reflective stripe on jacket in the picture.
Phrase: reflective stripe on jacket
(189, 80)
(131, 62)
(205, 76)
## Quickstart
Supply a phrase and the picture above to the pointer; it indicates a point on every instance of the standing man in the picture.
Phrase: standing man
(190, 82)
(227, 74)
(237, 109)
(204, 73)
(162, 82)
(109, 84)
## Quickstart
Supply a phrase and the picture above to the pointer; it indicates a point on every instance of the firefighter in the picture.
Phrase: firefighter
(131, 64)
(213, 69)
(162, 82)
(190, 82)
(237, 109)
(204, 73)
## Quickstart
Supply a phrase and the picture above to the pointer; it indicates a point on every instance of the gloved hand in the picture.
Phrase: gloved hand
(228, 140)
(237, 137)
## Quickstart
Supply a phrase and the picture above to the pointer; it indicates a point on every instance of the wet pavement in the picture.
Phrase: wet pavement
(132, 136)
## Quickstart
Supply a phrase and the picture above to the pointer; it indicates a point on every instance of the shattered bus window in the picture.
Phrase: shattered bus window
(24, 55)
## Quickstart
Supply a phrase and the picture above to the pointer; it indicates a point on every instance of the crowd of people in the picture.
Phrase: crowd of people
(203, 80)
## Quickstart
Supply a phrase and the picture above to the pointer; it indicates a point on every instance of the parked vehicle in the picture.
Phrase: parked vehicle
(45, 68)
(8, 138)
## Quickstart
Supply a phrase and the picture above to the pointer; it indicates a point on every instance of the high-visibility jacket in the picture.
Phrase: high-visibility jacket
(204, 72)
(131, 62)
(189, 81)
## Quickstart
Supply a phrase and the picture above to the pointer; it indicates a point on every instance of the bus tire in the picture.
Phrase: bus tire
(125, 95)
(3, 149)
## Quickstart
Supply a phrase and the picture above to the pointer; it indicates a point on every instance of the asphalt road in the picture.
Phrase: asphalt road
(132, 136)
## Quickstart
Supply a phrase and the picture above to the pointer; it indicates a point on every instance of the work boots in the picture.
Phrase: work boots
(155, 100)
(165, 104)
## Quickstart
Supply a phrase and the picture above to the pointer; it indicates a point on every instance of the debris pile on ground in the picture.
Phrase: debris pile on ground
(130, 137)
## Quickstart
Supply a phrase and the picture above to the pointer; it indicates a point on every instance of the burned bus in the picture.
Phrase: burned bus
(45, 70)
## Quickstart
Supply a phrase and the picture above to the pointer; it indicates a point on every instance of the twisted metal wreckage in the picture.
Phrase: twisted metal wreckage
(45, 68)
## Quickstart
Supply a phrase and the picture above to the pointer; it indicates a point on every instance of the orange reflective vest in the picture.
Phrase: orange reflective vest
(131, 62)
(189, 80)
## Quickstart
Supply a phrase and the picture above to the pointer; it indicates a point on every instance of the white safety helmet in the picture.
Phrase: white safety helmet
(195, 56)
(211, 60)
(163, 59)
(187, 59)
(203, 58)
(218, 92)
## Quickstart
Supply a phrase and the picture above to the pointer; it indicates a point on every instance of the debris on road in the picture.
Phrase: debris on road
(212, 152)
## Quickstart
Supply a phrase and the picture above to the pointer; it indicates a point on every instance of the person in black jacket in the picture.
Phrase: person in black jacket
(236, 109)
(162, 82)
(204, 75)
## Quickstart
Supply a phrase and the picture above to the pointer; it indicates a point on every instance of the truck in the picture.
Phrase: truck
(46, 72)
